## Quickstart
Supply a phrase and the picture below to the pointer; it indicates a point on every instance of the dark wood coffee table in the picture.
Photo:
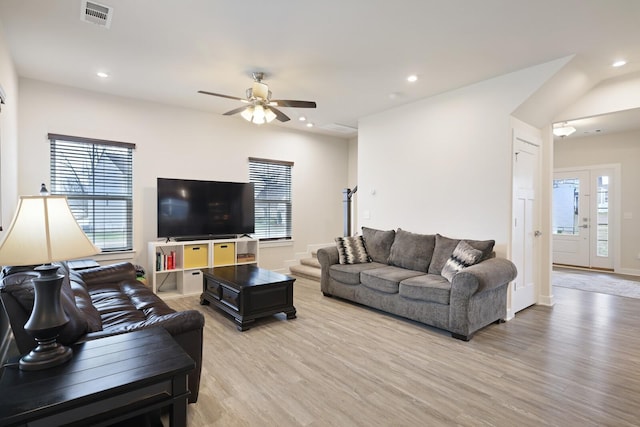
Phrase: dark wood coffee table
(248, 292)
(107, 380)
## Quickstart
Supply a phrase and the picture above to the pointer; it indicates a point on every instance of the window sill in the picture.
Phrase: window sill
(276, 243)
(115, 256)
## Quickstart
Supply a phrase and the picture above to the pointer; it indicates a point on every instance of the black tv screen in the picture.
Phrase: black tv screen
(204, 209)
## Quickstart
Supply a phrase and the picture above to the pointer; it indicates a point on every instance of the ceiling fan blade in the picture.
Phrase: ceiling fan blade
(292, 103)
(279, 114)
(222, 96)
(235, 111)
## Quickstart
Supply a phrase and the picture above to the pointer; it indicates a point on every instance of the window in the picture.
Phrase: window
(272, 186)
(96, 176)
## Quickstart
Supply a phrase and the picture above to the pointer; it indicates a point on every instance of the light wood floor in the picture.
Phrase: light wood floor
(339, 364)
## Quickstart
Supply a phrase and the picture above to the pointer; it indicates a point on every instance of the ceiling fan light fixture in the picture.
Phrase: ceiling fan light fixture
(261, 108)
(258, 114)
(260, 90)
(269, 115)
(247, 113)
(563, 130)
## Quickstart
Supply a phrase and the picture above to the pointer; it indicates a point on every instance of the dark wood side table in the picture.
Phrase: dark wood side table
(248, 292)
(107, 380)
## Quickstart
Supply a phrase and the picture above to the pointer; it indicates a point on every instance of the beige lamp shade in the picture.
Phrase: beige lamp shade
(44, 230)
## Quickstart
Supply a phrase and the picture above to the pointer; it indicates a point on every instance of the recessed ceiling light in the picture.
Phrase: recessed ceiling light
(309, 125)
(302, 118)
(412, 78)
(619, 63)
(102, 74)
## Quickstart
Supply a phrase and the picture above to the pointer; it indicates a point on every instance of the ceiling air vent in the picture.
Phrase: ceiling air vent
(95, 13)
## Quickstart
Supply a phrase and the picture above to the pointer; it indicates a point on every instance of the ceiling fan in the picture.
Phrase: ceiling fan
(261, 108)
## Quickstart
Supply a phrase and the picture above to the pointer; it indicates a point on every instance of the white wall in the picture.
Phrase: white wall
(443, 164)
(8, 136)
(181, 143)
(616, 94)
(622, 148)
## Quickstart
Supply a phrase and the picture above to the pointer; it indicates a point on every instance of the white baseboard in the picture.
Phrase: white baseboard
(546, 300)
(628, 271)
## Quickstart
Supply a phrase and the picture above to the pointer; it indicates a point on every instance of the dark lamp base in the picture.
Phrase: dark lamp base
(45, 355)
(47, 319)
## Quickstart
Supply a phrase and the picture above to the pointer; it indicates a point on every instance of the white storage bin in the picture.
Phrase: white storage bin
(192, 282)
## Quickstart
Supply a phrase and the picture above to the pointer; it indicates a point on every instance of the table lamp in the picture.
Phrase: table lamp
(43, 231)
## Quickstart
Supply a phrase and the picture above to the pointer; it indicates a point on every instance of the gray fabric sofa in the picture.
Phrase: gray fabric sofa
(403, 276)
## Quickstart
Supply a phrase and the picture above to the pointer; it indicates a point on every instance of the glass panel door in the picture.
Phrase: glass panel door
(566, 196)
(571, 218)
(602, 212)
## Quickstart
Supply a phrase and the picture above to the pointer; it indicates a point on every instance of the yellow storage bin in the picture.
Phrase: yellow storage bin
(195, 256)
(224, 253)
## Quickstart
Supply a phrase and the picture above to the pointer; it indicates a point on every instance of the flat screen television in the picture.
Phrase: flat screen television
(192, 209)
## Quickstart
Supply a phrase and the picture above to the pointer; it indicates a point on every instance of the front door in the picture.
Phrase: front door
(571, 219)
(524, 290)
(583, 214)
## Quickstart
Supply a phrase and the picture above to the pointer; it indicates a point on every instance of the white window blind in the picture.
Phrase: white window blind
(272, 184)
(96, 176)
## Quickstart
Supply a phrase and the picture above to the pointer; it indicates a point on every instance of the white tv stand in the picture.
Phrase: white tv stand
(184, 276)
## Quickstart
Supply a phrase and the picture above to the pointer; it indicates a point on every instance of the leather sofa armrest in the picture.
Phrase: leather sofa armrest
(123, 271)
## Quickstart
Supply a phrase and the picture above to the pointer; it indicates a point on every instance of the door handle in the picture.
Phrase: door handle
(584, 226)
(537, 233)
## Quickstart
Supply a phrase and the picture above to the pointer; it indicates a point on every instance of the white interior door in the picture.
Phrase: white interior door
(583, 215)
(524, 290)
(571, 218)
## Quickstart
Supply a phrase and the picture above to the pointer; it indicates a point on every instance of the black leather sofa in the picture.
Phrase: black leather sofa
(99, 302)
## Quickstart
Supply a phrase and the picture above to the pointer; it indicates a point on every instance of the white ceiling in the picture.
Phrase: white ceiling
(350, 56)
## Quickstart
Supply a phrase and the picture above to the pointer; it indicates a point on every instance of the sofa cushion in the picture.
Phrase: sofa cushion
(386, 279)
(412, 251)
(378, 243)
(427, 287)
(123, 304)
(445, 246)
(349, 274)
(351, 250)
(462, 257)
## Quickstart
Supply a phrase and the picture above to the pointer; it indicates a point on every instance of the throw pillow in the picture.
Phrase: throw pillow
(445, 247)
(352, 250)
(462, 257)
(378, 243)
(412, 251)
